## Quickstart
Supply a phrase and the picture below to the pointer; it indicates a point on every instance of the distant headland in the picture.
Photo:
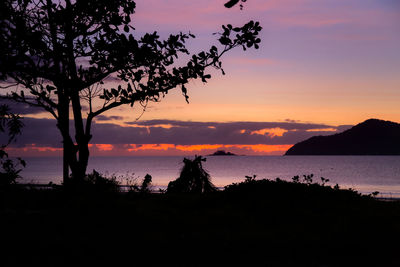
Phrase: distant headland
(371, 137)
(222, 153)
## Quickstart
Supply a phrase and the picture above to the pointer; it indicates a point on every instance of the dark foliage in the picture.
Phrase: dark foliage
(9, 170)
(146, 184)
(303, 189)
(193, 178)
(93, 182)
(11, 125)
(144, 188)
(232, 3)
(262, 223)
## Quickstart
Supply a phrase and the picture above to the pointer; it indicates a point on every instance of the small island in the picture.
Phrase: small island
(222, 153)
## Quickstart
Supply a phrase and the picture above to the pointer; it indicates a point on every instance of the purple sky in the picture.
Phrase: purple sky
(321, 63)
(339, 57)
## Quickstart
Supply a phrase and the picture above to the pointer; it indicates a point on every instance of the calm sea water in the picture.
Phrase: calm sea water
(363, 173)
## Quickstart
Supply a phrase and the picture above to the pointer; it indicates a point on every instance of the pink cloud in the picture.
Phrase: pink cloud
(355, 37)
(251, 61)
(184, 14)
(209, 14)
(206, 14)
(315, 21)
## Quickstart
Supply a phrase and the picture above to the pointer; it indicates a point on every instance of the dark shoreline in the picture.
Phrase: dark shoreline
(273, 223)
(125, 188)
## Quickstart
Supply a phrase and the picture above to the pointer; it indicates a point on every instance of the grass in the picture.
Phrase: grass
(257, 222)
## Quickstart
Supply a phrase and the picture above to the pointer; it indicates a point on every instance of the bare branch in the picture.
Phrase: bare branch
(8, 86)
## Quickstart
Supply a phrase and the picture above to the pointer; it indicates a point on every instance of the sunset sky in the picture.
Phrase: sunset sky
(322, 66)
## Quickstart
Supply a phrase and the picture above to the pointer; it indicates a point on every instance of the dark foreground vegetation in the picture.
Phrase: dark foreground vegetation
(256, 222)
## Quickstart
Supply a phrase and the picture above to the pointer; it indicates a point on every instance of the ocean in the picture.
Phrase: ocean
(365, 174)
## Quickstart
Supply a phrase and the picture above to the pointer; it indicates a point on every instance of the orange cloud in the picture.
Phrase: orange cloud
(165, 126)
(322, 130)
(197, 147)
(267, 149)
(104, 147)
(134, 147)
(271, 132)
(32, 150)
(43, 149)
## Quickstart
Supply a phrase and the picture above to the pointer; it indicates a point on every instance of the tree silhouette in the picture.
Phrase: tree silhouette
(11, 125)
(57, 55)
(192, 179)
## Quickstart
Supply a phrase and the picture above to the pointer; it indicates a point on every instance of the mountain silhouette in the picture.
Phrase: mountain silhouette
(371, 137)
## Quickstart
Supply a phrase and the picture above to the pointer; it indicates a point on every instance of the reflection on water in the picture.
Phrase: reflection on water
(363, 173)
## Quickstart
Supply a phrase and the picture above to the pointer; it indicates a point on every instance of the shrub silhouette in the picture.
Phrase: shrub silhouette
(144, 188)
(193, 178)
(93, 182)
(299, 189)
(146, 184)
(9, 170)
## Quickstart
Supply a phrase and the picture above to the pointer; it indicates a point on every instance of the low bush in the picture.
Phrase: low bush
(93, 182)
(192, 179)
(302, 188)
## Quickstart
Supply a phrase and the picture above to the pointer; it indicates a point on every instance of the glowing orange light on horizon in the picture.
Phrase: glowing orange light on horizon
(155, 149)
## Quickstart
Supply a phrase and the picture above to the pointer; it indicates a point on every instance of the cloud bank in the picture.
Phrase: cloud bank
(169, 135)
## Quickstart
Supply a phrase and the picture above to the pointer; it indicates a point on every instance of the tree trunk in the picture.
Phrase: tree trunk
(75, 155)
(82, 139)
(70, 160)
(63, 126)
(77, 165)
(83, 158)
(65, 155)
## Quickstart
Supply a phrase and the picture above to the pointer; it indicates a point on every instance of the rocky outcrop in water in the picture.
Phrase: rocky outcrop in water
(222, 153)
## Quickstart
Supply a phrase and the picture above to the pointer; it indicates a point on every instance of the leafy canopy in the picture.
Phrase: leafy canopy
(59, 47)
